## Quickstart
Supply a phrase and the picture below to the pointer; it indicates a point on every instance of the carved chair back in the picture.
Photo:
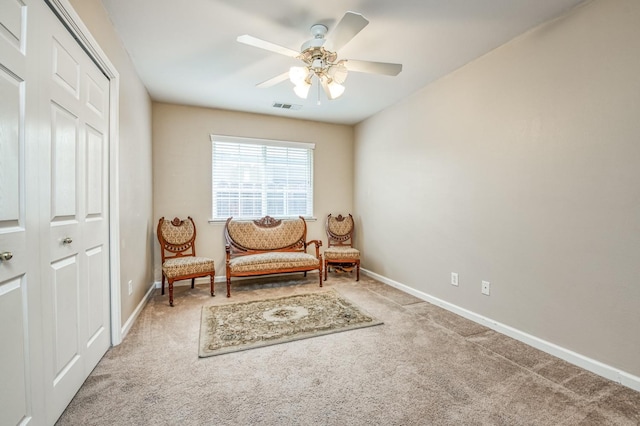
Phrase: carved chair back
(177, 237)
(340, 230)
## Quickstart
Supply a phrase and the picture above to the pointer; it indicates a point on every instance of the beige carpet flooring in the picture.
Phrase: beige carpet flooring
(424, 366)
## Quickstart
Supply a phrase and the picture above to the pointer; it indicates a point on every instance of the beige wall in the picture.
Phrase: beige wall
(521, 168)
(136, 230)
(182, 167)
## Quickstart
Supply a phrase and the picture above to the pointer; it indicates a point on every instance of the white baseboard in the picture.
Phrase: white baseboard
(597, 367)
(134, 316)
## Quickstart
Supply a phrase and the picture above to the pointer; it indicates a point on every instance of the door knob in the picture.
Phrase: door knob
(6, 255)
(67, 241)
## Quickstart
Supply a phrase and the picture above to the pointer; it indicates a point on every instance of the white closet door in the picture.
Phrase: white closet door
(20, 313)
(75, 249)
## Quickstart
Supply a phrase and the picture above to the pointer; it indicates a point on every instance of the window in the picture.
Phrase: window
(252, 178)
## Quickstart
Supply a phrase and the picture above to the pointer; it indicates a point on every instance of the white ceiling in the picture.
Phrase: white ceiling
(187, 53)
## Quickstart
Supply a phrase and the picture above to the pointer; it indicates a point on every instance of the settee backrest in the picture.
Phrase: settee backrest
(266, 234)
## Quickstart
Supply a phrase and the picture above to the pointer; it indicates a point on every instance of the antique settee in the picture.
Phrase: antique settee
(269, 246)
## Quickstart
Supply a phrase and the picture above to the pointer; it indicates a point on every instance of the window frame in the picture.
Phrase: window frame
(264, 143)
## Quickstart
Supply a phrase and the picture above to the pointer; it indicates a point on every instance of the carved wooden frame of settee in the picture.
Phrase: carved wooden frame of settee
(267, 225)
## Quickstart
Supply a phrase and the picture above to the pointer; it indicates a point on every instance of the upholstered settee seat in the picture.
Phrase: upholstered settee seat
(341, 253)
(272, 261)
(181, 266)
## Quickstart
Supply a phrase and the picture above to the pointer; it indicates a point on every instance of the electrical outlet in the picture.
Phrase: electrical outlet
(130, 287)
(486, 287)
(454, 278)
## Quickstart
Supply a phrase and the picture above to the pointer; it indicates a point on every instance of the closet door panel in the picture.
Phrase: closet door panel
(66, 338)
(14, 364)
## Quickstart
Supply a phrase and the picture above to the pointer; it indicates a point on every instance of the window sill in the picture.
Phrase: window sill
(307, 219)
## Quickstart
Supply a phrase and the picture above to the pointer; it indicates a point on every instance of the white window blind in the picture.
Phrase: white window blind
(252, 178)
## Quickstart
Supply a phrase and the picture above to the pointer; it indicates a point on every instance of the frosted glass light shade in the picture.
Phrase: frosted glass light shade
(298, 75)
(338, 72)
(335, 89)
(302, 90)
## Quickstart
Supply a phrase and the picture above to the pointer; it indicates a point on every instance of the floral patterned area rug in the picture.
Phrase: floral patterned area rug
(249, 325)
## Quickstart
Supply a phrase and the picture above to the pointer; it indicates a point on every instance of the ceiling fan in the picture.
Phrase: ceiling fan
(321, 59)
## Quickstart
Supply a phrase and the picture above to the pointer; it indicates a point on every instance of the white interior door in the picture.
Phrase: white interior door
(20, 318)
(75, 249)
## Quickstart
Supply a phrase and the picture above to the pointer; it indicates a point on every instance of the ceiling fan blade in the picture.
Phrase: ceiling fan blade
(350, 25)
(266, 45)
(273, 81)
(383, 68)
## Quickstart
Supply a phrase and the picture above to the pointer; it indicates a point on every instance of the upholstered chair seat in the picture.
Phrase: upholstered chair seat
(179, 266)
(341, 253)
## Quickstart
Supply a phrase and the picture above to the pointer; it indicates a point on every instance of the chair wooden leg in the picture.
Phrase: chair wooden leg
(358, 270)
(163, 284)
(193, 282)
(320, 274)
(228, 286)
(325, 269)
(171, 293)
(213, 292)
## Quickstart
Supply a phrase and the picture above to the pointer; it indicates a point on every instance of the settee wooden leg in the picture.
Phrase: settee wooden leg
(228, 286)
(193, 282)
(163, 284)
(325, 270)
(320, 274)
(212, 279)
(171, 293)
(358, 271)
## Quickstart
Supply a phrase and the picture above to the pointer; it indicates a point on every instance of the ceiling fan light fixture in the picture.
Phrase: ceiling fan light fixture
(338, 72)
(302, 89)
(335, 89)
(298, 75)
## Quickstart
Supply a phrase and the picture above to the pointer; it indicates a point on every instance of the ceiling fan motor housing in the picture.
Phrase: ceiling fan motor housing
(313, 50)
(314, 43)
